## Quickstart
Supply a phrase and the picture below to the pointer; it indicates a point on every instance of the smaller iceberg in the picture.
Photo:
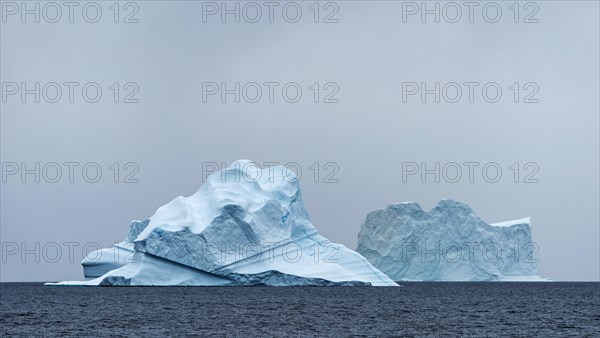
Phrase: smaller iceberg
(449, 243)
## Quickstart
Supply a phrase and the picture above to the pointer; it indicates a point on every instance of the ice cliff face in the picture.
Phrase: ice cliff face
(244, 226)
(449, 243)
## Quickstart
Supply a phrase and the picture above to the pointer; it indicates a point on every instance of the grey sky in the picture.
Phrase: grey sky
(369, 133)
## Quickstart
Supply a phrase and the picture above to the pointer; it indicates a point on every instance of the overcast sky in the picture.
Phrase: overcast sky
(365, 62)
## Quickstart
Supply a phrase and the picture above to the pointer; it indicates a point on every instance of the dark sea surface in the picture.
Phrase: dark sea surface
(415, 309)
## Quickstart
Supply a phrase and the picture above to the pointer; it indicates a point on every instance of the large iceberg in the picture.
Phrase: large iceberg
(244, 226)
(449, 243)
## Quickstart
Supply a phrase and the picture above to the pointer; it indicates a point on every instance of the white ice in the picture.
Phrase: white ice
(245, 225)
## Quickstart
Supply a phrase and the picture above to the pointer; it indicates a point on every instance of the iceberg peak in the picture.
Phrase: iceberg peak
(244, 226)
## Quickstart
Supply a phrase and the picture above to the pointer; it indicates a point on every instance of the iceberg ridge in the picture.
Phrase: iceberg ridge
(244, 226)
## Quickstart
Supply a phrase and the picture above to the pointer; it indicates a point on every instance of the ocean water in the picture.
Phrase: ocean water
(413, 310)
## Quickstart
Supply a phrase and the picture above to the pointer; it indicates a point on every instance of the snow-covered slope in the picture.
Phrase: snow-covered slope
(449, 243)
(244, 226)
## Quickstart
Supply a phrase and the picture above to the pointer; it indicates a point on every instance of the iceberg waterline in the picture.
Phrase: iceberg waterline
(449, 243)
(244, 226)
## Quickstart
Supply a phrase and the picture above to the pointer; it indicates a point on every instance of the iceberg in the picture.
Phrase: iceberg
(449, 243)
(245, 226)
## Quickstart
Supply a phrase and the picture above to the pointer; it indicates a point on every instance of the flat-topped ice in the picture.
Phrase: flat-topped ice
(449, 243)
(525, 220)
